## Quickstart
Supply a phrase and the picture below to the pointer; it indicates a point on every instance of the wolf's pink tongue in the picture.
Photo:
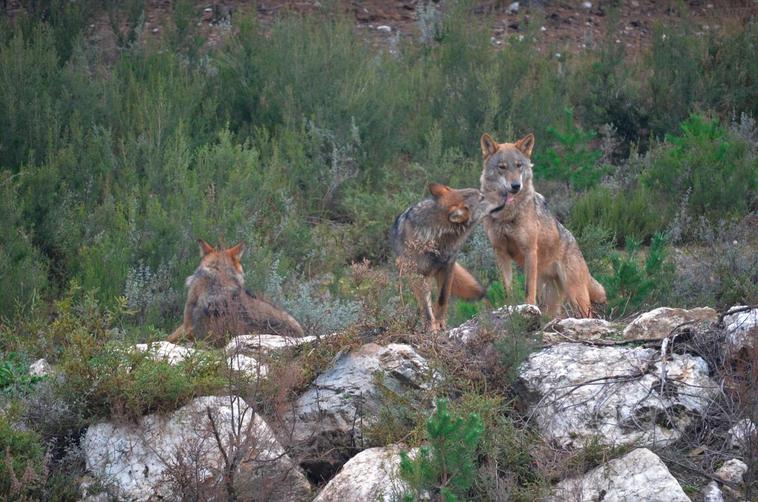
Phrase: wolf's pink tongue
(509, 198)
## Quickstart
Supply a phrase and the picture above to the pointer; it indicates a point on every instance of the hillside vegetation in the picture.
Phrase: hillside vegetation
(304, 140)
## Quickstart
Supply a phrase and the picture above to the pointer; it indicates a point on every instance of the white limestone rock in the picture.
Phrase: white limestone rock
(659, 323)
(732, 471)
(638, 475)
(579, 330)
(578, 392)
(741, 329)
(145, 461)
(163, 350)
(40, 368)
(503, 319)
(266, 343)
(329, 418)
(373, 475)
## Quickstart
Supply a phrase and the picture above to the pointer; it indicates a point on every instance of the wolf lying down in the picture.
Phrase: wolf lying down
(218, 303)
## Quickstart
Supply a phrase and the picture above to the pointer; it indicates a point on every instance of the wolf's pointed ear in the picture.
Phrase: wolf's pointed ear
(526, 144)
(205, 248)
(489, 145)
(237, 250)
(438, 189)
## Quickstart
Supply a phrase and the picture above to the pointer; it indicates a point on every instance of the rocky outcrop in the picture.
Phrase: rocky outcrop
(329, 419)
(245, 365)
(661, 322)
(508, 319)
(370, 475)
(580, 330)
(182, 455)
(621, 395)
(638, 475)
(712, 493)
(741, 328)
(247, 344)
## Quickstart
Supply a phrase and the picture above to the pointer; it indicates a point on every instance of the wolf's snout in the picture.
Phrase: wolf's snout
(515, 187)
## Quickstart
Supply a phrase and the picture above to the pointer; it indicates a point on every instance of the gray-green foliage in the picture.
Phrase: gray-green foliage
(117, 162)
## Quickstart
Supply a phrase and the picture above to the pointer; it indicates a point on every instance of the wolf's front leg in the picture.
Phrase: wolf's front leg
(504, 263)
(530, 268)
(422, 290)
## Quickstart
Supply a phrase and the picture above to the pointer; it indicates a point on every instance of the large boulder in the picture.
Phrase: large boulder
(182, 455)
(373, 475)
(661, 322)
(638, 475)
(619, 395)
(331, 416)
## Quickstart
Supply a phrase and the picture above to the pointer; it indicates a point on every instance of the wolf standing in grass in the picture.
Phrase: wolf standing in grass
(521, 228)
(426, 239)
(218, 303)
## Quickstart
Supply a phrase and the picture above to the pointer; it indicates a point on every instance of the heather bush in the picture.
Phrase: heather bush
(23, 462)
(721, 270)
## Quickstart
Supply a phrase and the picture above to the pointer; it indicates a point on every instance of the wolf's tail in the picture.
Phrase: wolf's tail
(597, 291)
(464, 284)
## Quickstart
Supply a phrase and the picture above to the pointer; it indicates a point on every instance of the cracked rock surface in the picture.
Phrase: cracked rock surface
(638, 475)
(621, 395)
(330, 417)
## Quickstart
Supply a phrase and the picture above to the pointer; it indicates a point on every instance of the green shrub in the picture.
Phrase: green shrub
(716, 169)
(630, 287)
(22, 469)
(14, 375)
(510, 470)
(720, 270)
(445, 468)
(571, 160)
(624, 214)
(121, 382)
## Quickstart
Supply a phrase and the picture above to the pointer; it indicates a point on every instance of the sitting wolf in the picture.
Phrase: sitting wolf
(218, 303)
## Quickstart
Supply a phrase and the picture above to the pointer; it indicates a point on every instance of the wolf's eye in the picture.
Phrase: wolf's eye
(519, 165)
(502, 166)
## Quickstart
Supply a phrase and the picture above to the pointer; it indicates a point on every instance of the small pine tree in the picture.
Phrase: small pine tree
(631, 286)
(445, 469)
(571, 160)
